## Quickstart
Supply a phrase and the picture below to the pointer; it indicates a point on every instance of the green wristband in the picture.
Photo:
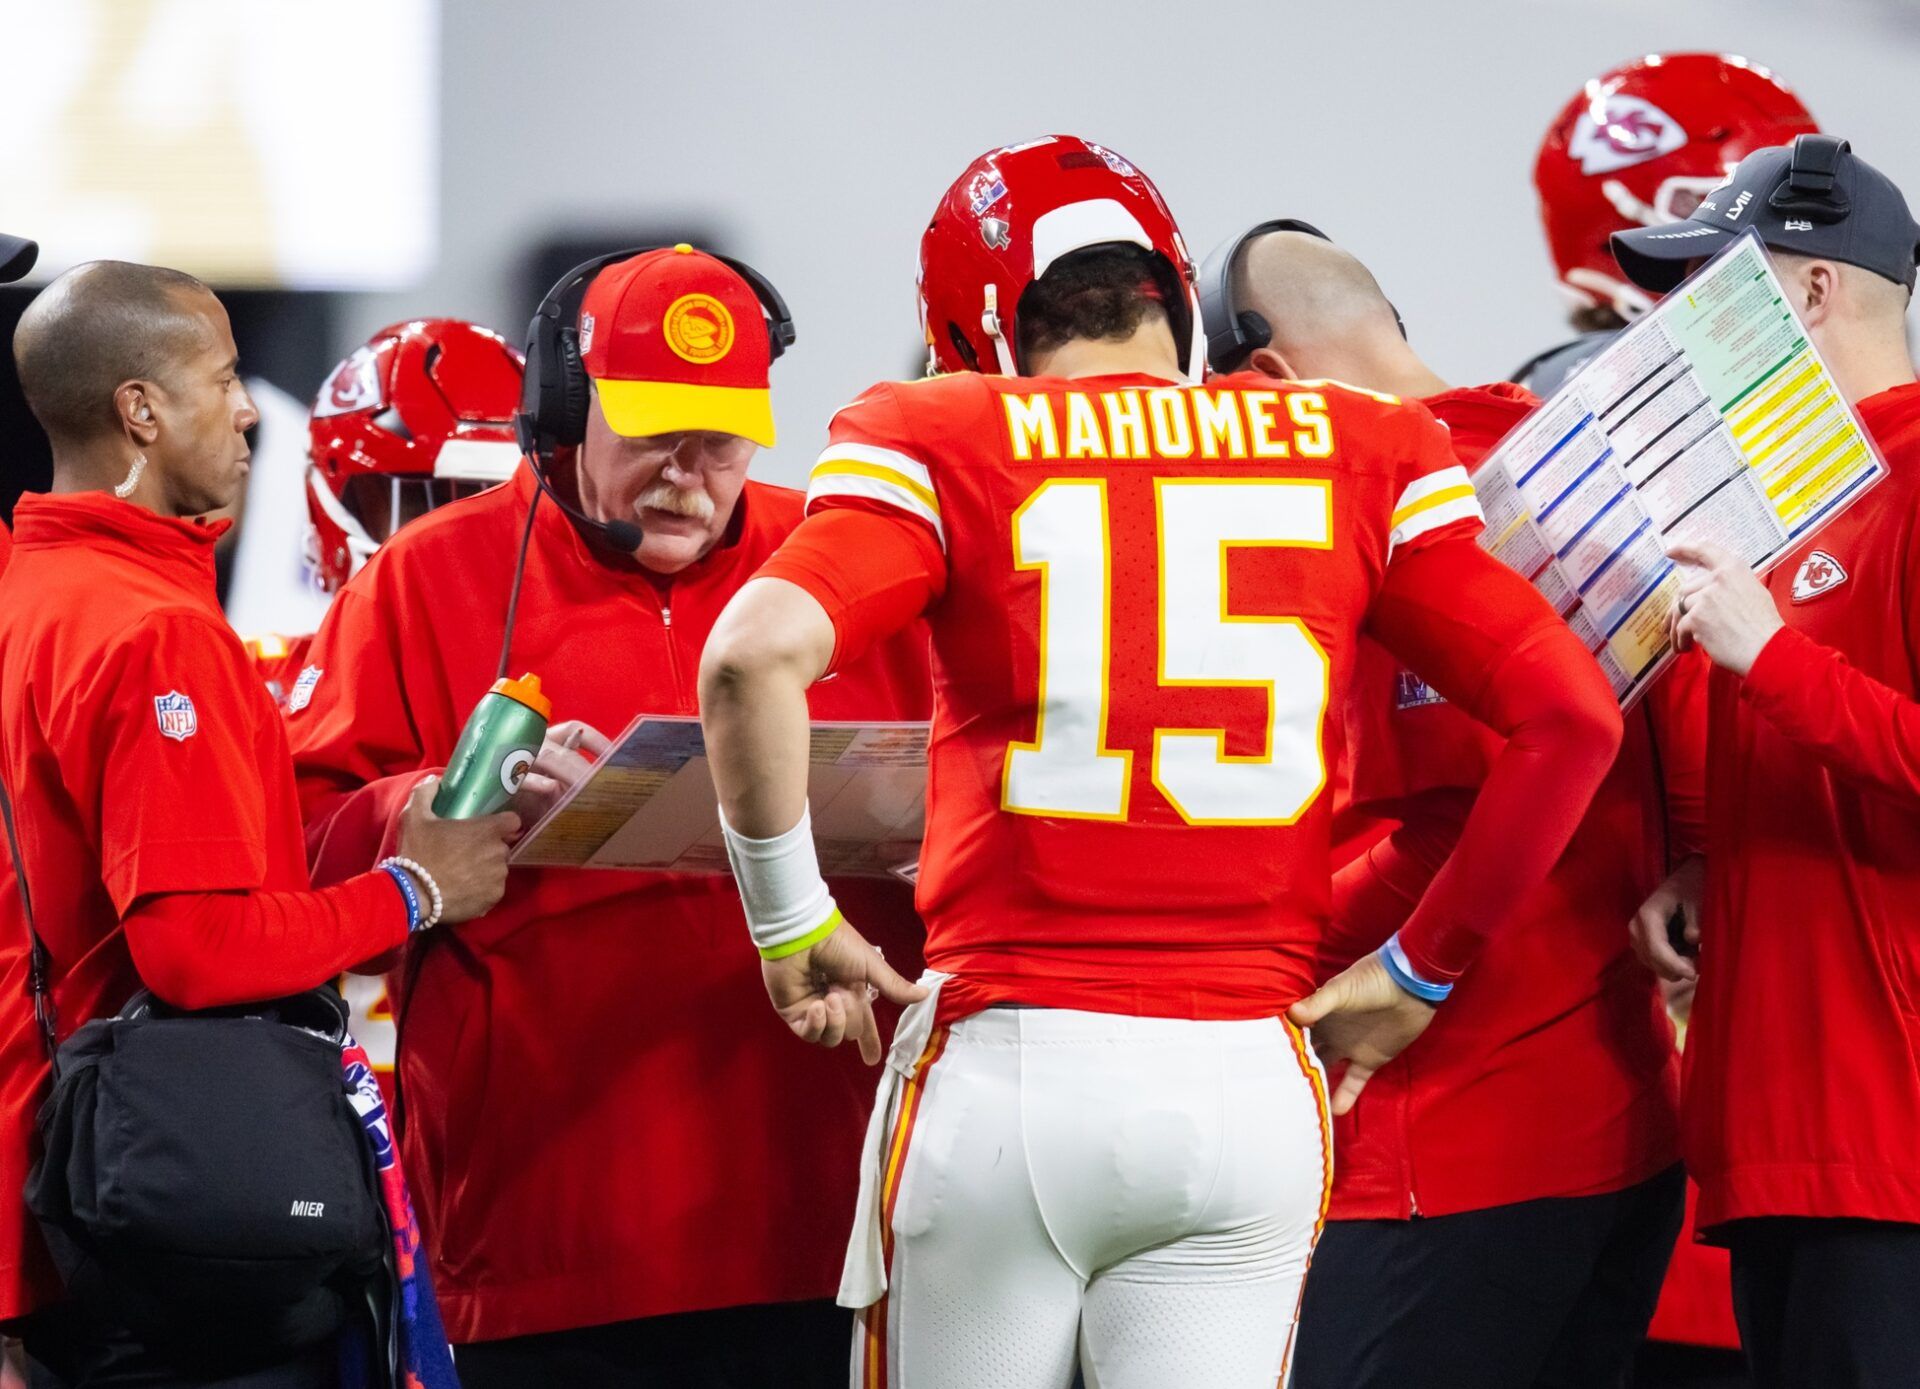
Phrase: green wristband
(806, 942)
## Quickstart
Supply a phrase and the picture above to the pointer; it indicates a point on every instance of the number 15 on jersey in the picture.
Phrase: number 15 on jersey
(1063, 531)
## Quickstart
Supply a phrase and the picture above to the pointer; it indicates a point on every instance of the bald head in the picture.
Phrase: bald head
(1312, 294)
(98, 326)
(1329, 319)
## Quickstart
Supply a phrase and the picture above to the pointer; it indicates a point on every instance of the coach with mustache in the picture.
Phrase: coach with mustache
(596, 1100)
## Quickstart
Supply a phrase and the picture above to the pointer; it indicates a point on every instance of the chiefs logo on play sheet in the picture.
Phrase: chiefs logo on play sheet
(1818, 573)
(175, 712)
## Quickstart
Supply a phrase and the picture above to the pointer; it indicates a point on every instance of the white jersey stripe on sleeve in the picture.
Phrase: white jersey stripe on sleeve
(1424, 488)
(910, 469)
(1442, 513)
(837, 477)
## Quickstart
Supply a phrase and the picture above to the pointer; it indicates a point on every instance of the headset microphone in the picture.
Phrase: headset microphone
(624, 536)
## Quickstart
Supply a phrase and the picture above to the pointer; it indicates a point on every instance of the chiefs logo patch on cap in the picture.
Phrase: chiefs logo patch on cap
(1818, 573)
(1618, 132)
(698, 328)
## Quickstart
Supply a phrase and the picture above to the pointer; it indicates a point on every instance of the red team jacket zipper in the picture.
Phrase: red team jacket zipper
(666, 629)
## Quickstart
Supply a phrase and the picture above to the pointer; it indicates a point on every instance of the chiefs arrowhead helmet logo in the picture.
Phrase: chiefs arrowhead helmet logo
(1616, 132)
(1818, 573)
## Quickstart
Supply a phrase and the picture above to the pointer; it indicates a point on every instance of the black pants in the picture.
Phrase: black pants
(1829, 1303)
(778, 1345)
(1554, 1294)
(68, 1351)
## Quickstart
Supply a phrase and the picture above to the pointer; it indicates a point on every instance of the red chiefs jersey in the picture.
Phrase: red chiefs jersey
(1151, 597)
(1802, 1093)
(1551, 1070)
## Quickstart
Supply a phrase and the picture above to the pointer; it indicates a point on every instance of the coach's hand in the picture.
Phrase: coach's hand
(468, 858)
(1361, 1017)
(825, 994)
(1723, 608)
(567, 754)
(1681, 892)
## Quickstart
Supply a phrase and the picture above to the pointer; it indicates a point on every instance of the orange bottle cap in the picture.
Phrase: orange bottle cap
(526, 690)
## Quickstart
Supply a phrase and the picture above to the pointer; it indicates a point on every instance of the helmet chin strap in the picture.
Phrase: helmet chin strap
(1196, 363)
(990, 325)
(1627, 300)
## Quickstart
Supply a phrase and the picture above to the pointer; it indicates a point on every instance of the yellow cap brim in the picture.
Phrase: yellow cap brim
(636, 408)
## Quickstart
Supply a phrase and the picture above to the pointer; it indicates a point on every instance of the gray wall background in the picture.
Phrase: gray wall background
(816, 139)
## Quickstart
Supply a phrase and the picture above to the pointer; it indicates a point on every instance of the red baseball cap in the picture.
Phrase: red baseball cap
(674, 339)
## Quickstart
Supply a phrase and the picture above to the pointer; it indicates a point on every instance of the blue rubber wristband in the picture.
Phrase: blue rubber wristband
(408, 891)
(1402, 973)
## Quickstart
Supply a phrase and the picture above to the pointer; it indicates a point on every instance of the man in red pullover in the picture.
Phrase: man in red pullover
(594, 1095)
(1802, 1077)
(1529, 1139)
(148, 771)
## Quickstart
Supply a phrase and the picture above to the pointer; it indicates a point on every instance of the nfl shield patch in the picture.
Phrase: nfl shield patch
(178, 720)
(303, 689)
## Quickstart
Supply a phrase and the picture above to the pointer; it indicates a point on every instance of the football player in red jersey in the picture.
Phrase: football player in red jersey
(1801, 1119)
(1533, 1132)
(1640, 146)
(1100, 1137)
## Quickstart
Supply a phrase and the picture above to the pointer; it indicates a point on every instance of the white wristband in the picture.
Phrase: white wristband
(787, 903)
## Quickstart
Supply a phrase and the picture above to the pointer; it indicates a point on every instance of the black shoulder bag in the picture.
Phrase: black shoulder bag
(204, 1170)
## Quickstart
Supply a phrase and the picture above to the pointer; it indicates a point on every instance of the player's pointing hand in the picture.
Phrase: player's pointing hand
(825, 993)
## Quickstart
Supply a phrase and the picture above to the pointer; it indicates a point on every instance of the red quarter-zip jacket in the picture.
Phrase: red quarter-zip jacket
(602, 1118)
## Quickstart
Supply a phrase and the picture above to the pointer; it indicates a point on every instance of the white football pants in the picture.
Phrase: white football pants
(1140, 1195)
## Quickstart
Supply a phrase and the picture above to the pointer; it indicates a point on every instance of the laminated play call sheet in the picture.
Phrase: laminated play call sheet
(650, 803)
(1710, 419)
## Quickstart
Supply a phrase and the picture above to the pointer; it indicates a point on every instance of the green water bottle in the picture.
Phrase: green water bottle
(498, 745)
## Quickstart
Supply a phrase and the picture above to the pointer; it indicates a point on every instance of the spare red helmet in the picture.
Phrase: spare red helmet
(420, 414)
(1014, 212)
(1642, 145)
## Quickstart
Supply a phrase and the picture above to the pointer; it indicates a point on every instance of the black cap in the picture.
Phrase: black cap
(1814, 197)
(17, 256)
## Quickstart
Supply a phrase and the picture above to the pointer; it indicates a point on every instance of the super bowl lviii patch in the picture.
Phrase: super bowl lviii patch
(1411, 692)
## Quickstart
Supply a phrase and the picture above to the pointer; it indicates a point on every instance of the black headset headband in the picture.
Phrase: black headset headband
(1234, 333)
(554, 392)
(1811, 188)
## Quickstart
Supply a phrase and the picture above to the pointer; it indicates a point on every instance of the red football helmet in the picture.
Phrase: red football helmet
(1013, 213)
(1641, 146)
(419, 415)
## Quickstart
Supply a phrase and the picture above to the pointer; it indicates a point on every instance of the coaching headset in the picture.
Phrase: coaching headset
(1234, 333)
(555, 394)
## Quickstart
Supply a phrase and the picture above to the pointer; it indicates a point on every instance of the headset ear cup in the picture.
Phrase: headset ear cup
(570, 390)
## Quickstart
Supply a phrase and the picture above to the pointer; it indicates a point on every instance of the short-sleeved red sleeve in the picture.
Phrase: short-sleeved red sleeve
(1433, 498)
(183, 807)
(872, 550)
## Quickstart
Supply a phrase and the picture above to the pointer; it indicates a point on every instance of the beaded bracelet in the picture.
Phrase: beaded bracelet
(411, 866)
